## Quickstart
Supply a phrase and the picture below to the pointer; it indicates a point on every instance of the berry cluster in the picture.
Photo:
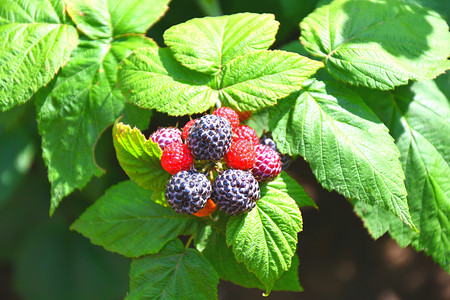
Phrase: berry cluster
(216, 163)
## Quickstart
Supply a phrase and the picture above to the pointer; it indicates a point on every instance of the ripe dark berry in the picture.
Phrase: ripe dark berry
(186, 129)
(228, 114)
(188, 191)
(165, 136)
(210, 138)
(241, 155)
(176, 157)
(247, 133)
(235, 191)
(267, 163)
(286, 160)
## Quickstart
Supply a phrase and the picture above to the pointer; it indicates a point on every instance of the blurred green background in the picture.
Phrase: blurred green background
(41, 259)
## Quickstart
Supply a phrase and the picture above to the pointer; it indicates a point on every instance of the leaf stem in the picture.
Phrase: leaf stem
(188, 243)
(210, 7)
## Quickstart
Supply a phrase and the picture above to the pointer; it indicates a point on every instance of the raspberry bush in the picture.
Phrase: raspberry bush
(361, 96)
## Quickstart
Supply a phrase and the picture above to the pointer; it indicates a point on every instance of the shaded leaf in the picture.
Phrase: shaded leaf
(357, 43)
(418, 118)
(174, 273)
(125, 220)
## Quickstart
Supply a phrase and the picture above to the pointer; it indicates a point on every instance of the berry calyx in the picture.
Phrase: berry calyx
(186, 129)
(176, 157)
(210, 138)
(235, 191)
(165, 136)
(228, 114)
(247, 133)
(188, 191)
(209, 208)
(267, 163)
(241, 155)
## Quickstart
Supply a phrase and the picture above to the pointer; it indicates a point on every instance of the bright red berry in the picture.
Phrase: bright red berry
(241, 155)
(244, 115)
(247, 133)
(208, 209)
(186, 129)
(228, 114)
(267, 163)
(176, 157)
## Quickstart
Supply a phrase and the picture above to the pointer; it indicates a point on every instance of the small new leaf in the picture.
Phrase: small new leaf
(125, 220)
(139, 158)
(174, 273)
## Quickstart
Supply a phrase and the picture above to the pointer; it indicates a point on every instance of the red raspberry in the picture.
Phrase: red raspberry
(208, 209)
(267, 163)
(244, 115)
(186, 129)
(241, 155)
(247, 133)
(176, 157)
(228, 114)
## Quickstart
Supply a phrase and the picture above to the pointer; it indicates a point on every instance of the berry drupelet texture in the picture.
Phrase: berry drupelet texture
(267, 163)
(188, 191)
(186, 129)
(235, 191)
(177, 157)
(267, 140)
(247, 133)
(209, 208)
(241, 155)
(210, 138)
(228, 114)
(165, 136)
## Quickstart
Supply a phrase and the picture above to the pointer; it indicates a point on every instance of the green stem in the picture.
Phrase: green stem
(188, 243)
(210, 7)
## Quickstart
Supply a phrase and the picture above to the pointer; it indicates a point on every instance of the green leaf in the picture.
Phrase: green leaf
(357, 43)
(224, 262)
(265, 238)
(258, 79)
(139, 158)
(113, 18)
(286, 184)
(36, 42)
(174, 273)
(84, 101)
(259, 120)
(126, 221)
(152, 78)
(419, 120)
(347, 146)
(207, 44)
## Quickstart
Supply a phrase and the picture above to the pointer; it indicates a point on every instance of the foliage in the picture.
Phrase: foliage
(86, 63)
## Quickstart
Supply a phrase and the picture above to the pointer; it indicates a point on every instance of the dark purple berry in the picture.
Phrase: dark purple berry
(235, 191)
(188, 191)
(210, 138)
